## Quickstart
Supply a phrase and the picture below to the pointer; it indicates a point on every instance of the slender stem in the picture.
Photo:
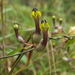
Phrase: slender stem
(32, 68)
(60, 22)
(37, 25)
(17, 54)
(19, 57)
(54, 23)
(49, 58)
(28, 61)
(3, 41)
(51, 67)
(60, 37)
(53, 57)
(16, 32)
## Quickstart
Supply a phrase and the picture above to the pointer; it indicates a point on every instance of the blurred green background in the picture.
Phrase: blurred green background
(19, 11)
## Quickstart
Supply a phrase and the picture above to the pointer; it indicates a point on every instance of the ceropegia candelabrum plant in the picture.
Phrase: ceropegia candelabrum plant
(40, 37)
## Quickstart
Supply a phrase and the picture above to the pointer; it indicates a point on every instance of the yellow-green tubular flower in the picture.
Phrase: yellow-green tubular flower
(16, 27)
(44, 26)
(36, 14)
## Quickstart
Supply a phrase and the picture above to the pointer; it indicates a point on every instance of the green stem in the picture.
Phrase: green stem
(3, 41)
(29, 57)
(18, 58)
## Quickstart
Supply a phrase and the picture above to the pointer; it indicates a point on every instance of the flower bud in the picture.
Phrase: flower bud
(56, 31)
(53, 17)
(20, 39)
(60, 21)
(15, 26)
(71, 31)
(65, 58)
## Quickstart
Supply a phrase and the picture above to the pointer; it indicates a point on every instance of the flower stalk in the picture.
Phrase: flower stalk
(21, 55)
(28, 61)
(58, 28)
(53, 19)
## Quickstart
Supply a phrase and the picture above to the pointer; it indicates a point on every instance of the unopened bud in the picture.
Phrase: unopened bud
(65, 58)
(56, 31)
(71, 31)
(53, 17)
(15, 26)
(20, 39)
(60, 19)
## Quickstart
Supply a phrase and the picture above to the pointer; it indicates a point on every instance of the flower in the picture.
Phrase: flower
(35, 13)
(44, 26)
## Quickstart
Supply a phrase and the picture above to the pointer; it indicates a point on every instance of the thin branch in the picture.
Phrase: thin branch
(17, 54)
(53, 58)
(19, 57)
(49, 58)
(49, 67)
(49, 52)
(60, 37)
(32, 68)
(27, 63)
(2, 28)
(3, 41)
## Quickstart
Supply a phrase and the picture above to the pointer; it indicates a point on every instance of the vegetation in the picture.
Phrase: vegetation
(17, 30)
